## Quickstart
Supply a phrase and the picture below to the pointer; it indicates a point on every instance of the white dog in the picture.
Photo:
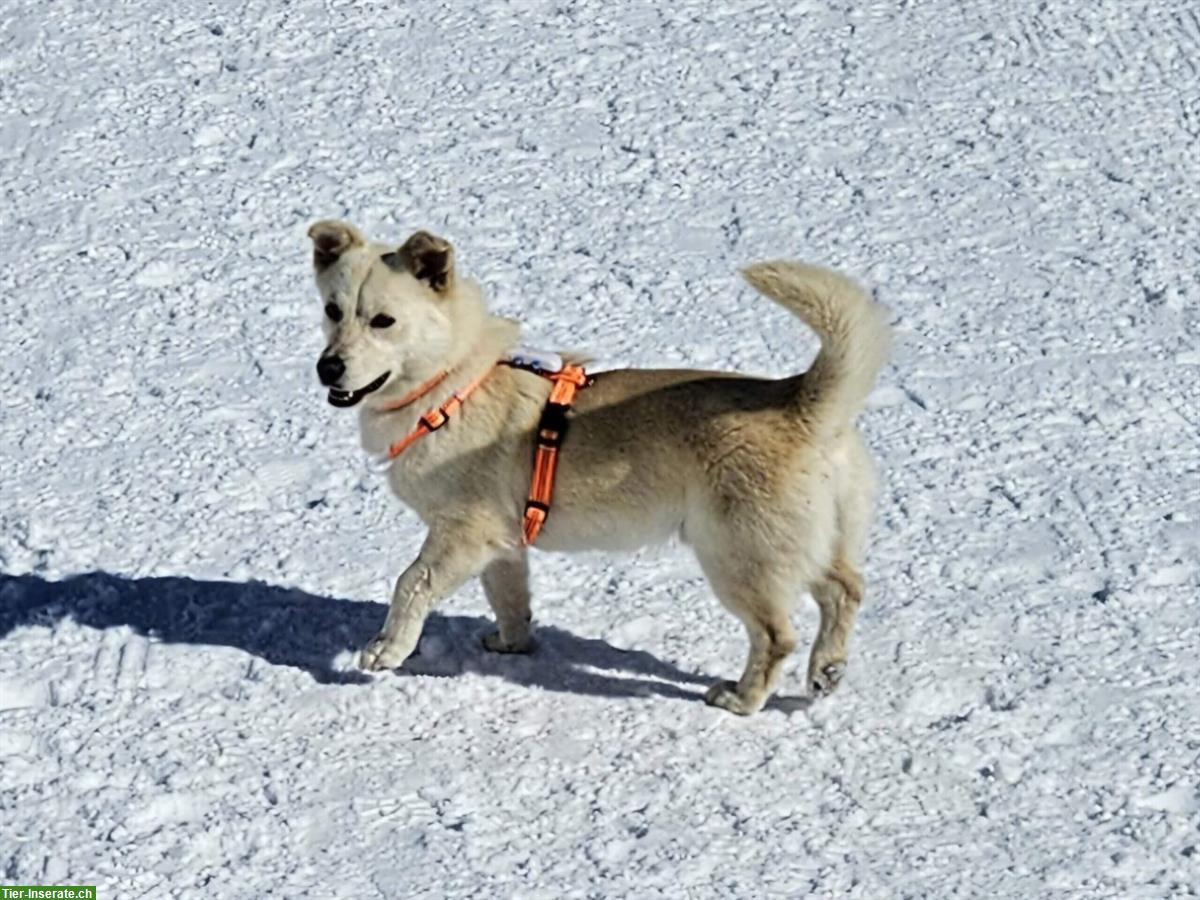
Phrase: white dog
(767, 480)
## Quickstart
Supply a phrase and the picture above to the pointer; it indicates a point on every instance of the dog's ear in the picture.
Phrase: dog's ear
(428, 257)
(331, 239)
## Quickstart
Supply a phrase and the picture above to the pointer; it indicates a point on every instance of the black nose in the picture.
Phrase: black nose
(330, 369)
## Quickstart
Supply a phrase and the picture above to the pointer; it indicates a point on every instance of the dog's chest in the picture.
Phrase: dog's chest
(414, 478)
(428, 475)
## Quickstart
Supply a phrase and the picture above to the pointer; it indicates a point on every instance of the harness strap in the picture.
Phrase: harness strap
(435, 418)
(552, 429)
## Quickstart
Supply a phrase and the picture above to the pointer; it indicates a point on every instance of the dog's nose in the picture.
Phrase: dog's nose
(330, 369)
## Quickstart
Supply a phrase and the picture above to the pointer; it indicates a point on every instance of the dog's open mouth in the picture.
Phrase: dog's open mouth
(349, 398)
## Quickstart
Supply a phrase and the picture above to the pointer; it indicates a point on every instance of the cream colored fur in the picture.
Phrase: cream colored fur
(767, 480)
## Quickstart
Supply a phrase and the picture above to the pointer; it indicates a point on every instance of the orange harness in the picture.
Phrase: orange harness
(552, 429)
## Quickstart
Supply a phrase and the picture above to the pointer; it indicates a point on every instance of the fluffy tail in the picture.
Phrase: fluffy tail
(852, 327)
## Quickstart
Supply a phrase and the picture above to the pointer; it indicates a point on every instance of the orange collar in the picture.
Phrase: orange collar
(432, 419)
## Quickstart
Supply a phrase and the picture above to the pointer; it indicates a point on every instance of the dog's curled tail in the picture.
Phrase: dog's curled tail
(852, 327)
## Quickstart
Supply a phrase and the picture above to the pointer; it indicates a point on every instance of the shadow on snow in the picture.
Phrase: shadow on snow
(288, 627)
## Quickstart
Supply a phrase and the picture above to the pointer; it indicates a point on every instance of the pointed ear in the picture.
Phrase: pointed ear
(429, 258)
(331, 239)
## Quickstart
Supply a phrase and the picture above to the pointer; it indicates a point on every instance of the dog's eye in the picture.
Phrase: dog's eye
(382, 321)
(333, 311)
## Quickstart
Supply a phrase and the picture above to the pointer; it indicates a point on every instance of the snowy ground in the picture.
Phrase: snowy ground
(191, 548)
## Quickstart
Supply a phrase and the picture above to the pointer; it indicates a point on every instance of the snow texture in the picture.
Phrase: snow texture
(192, 550)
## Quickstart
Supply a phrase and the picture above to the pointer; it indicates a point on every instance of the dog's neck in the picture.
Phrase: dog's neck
(486, 341)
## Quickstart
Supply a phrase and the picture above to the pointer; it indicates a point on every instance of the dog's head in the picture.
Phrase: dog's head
(389, 312)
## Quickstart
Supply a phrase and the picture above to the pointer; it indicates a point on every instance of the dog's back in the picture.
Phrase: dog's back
(656, 445)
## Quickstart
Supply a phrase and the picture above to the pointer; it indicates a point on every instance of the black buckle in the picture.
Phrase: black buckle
(435, 425)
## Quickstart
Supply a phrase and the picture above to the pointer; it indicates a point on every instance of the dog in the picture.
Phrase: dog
(767, 480)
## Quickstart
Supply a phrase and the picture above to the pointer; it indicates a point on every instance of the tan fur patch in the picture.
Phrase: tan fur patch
(330, 240)
(429, 258)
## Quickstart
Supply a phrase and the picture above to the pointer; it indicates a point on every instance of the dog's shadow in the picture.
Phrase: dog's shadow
(287, 627)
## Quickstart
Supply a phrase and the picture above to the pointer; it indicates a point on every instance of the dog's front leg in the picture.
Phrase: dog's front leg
(444, 563)
(506, 584)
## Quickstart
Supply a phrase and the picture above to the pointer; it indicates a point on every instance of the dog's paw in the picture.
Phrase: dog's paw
(724, 694)
(825, 680)
(380, 654)
(493, 642)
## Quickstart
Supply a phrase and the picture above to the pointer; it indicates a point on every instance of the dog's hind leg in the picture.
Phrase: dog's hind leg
(839, 591)
(761, 600)
(506, 584)
(839, 595)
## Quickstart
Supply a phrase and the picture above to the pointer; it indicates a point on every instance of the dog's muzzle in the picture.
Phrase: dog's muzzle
(338, 397)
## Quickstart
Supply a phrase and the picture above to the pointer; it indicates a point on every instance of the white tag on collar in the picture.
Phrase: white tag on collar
(543, 361)
(377, 465)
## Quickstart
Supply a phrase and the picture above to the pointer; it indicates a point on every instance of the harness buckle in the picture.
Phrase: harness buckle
(434, 419)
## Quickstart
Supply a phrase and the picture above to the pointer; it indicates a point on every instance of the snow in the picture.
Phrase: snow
(192, 549)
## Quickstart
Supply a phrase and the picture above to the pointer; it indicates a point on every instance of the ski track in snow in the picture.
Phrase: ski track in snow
(192, 550)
